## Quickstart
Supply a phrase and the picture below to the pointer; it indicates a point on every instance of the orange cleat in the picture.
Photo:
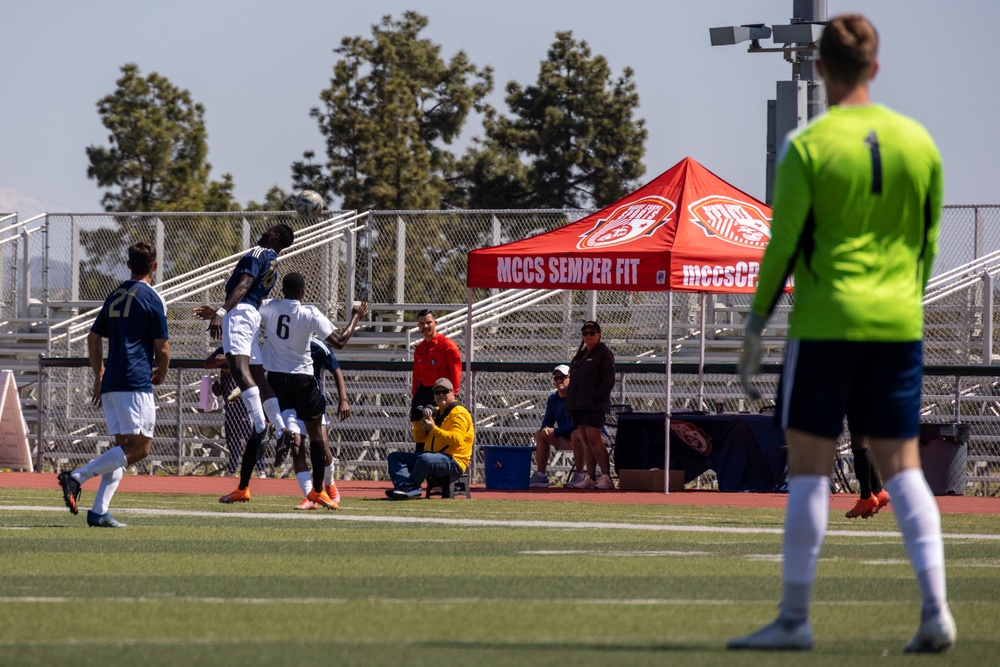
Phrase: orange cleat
(883, 499)
(306, 504)
(864, 508)
(237, 496)
(333, 492)
(322, 499)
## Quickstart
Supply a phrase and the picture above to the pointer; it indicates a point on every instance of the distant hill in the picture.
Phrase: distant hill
(13, 201)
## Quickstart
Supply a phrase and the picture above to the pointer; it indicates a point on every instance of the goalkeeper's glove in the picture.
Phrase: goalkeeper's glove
(752, 353)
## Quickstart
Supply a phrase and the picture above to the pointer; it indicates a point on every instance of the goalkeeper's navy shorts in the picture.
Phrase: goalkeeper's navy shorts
(877, 383)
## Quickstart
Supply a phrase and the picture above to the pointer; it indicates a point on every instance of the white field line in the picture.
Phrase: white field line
(489, 523)
(616, 602)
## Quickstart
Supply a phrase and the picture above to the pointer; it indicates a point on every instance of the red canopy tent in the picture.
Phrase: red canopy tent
(687, 230)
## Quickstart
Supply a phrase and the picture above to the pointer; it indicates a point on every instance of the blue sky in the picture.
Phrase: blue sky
(258, 68)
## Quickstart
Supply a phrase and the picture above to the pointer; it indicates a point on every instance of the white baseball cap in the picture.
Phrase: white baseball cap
(561, 368)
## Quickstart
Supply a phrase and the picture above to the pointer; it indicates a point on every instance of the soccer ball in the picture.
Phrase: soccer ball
(308, 204)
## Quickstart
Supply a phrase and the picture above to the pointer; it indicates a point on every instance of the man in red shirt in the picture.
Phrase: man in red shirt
(436, 357)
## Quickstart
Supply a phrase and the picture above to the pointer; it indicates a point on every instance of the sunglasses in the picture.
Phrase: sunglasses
(559, 378)
(589, 332)
(442, 392)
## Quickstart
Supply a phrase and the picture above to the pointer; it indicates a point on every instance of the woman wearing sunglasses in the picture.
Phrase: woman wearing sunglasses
(589, 399)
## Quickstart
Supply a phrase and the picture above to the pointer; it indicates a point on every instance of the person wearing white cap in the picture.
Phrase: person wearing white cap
(444, 436)
(557, 431)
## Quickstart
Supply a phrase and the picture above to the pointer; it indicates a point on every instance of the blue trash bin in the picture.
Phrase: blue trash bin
(507, 467)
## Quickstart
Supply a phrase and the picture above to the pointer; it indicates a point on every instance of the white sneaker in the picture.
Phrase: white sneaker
(574, 483)
(776, 637)
(605, 482)
(539, 480)
(934, 635)
(587, 483)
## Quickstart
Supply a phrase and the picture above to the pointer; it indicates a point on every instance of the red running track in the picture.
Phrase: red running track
(217, 486)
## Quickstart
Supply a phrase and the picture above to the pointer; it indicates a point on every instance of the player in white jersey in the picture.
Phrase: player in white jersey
(288, 325)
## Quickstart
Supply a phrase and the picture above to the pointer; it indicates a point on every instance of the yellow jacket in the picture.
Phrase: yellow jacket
(452, 435)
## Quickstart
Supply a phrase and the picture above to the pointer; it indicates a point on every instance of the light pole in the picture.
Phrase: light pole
(800, 99)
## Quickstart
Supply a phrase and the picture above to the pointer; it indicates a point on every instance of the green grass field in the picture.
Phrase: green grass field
(458, 583)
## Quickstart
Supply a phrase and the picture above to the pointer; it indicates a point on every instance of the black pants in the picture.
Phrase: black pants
(424, 396)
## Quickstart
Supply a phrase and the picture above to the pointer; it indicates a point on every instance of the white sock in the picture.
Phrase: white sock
(806, 518)
(251, 399)
(107, 488)
(109, 461)
(328, 475)
(305, 480)
(919, 520)
(272, 409)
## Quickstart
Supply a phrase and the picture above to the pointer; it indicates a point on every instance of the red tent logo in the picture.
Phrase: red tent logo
(636, 219)
(732, 220)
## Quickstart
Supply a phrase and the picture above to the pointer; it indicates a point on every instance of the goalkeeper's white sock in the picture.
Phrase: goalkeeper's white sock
(919, 520)
(806, 518)
(328, 475)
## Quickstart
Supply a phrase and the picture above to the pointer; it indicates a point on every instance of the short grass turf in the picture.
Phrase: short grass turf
(457, 582)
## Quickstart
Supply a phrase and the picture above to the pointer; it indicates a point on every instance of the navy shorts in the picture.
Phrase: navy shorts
(877, 383)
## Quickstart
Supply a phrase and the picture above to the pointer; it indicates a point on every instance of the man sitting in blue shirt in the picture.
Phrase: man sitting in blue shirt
(557, 431)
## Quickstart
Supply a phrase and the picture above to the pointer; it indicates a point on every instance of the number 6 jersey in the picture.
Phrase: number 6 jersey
(287, 325)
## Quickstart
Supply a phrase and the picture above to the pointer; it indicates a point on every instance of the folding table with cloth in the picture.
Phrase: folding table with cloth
(746, 451)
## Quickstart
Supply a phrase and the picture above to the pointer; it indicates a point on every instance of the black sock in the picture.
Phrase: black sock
(317, 456)
(863, 471)
(876, 480)
(248, 462)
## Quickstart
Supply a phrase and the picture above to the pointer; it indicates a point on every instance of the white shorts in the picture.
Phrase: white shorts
(295, 425)
(129, 412)
(241, 332)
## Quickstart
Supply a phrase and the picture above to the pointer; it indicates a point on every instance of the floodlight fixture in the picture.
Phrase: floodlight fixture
(801, 98)
(798, 33)
(734, 34)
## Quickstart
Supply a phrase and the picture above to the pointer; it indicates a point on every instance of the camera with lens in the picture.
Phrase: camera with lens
(428, 411)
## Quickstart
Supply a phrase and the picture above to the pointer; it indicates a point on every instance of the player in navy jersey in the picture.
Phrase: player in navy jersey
(237, 321)
(134, 320)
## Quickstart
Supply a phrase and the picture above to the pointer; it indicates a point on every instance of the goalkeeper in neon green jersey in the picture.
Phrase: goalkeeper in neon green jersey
(857, 203)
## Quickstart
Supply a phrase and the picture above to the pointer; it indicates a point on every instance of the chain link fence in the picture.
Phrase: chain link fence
(401, 258)
(404, 261)
(967, 234)
(9, 244)
(508, 400)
